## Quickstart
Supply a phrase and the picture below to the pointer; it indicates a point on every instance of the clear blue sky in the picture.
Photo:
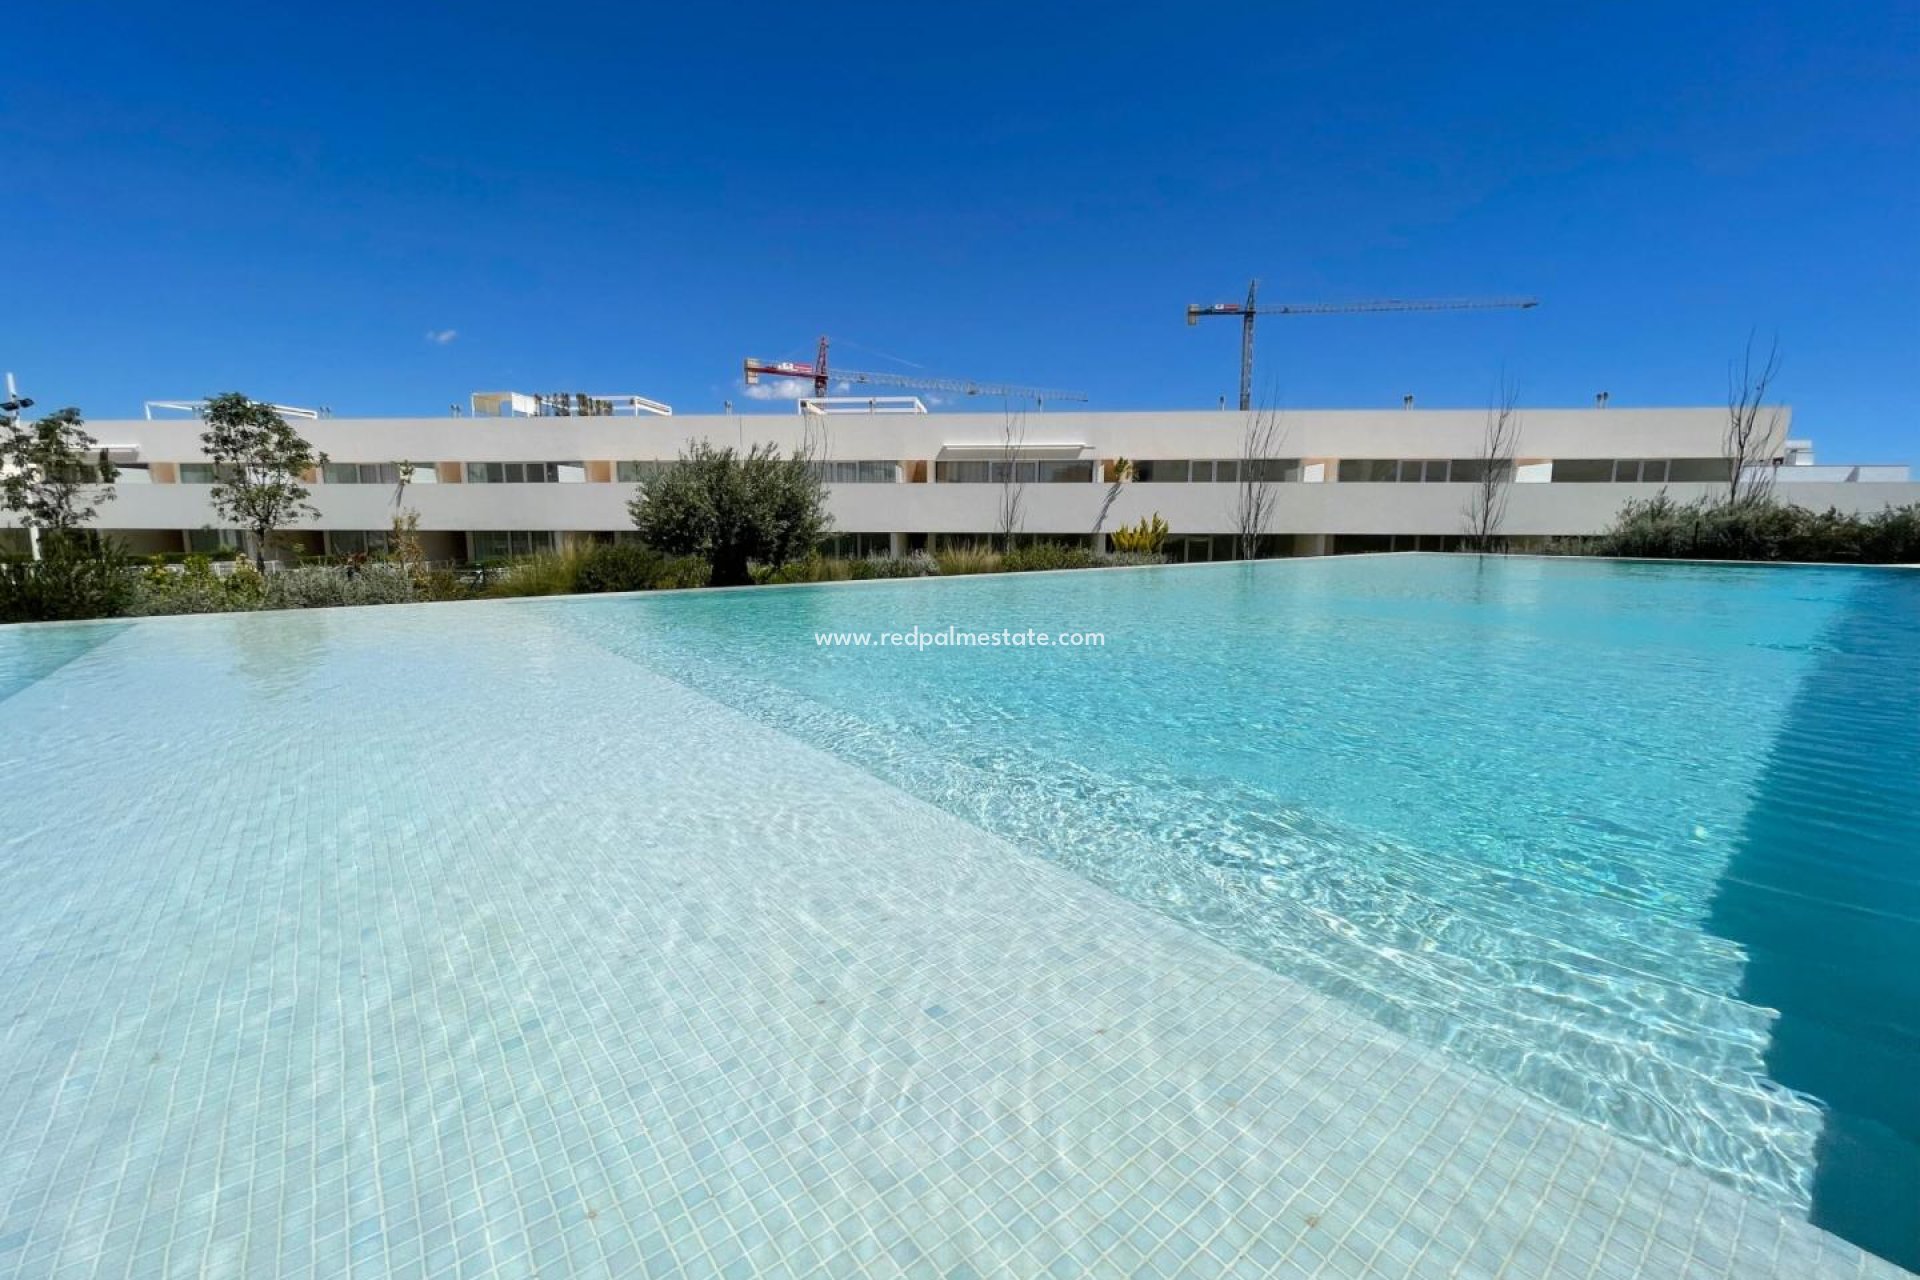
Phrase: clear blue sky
(288, 199)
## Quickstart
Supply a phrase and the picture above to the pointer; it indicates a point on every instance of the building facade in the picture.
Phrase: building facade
(487, 488)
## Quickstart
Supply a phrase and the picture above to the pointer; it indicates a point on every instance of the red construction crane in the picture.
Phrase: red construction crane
(1247, 311)
(823, 377)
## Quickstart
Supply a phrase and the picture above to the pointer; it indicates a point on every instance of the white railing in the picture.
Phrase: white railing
(198, 407)
(818, 406)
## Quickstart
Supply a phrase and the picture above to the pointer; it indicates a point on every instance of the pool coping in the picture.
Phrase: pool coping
(963, 577)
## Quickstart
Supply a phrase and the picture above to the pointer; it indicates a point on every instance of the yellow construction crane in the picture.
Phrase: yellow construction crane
(1248, 310)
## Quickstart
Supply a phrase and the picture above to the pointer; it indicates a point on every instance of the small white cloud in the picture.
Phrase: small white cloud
(779, 389)
(932, 401)
(441, 337)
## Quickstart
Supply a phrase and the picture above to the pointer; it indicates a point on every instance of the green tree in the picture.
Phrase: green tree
(53, 475)
(733, 510)
(72, 579)
(259, 465)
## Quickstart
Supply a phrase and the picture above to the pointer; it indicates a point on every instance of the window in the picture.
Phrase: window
(1018, 471)
(1699, 470)
(1347, 544)
(883, 471)
(1473, 470)
(525, 472)
(642, 471)
(1212, 470)
(361, 473)
(957, 472)
(497, 544)
(376, 473)
(1368, 470)
(1162, 471)
(89, 473)
(347, 542)
(201, 472)
(857, 546)
(1272, 470)
(1582, 470)
(1638, 470)
(1409, 470)
(206, 541)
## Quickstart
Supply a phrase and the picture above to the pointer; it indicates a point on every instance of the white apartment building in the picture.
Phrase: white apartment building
(488, 487)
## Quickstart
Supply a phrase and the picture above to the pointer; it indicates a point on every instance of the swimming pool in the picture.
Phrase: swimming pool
(440, 896)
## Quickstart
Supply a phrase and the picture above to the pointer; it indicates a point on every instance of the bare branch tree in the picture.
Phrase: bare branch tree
(1492, 471)
(816, 441)
(1122, 475)
(1013, 487)
(1753, 429)
(403, 540)
(1257, 495)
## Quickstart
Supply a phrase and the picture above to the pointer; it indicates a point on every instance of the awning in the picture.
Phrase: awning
(1011, 449)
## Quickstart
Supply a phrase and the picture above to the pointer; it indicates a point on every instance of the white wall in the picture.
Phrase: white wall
(1328, 508)
(955, 508)
(1390, 433)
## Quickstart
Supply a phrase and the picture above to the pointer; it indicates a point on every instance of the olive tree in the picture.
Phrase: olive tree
(259, 465)
(733, 510)
(53, 475)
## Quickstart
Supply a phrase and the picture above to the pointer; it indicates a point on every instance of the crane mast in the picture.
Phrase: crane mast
(1251, 309)
(822, 376)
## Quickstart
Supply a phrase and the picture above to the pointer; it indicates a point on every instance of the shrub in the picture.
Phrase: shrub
(812, 569)
(1144, 537)
(973, 557)
(1131, 559)
(549, 573)
(620, 567)
(67, 584)
(1047, 555)
(1705, 529)
(195, 588)
(321, 588)
(1892, 536)
(218, 556)
(918, 564)
(683, 572)
(444, 584)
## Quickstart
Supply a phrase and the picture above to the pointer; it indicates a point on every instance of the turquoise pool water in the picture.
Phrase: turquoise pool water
(564, 936)
(1644, 840)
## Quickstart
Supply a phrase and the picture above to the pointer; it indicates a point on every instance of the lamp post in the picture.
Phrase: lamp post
(9, 415)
